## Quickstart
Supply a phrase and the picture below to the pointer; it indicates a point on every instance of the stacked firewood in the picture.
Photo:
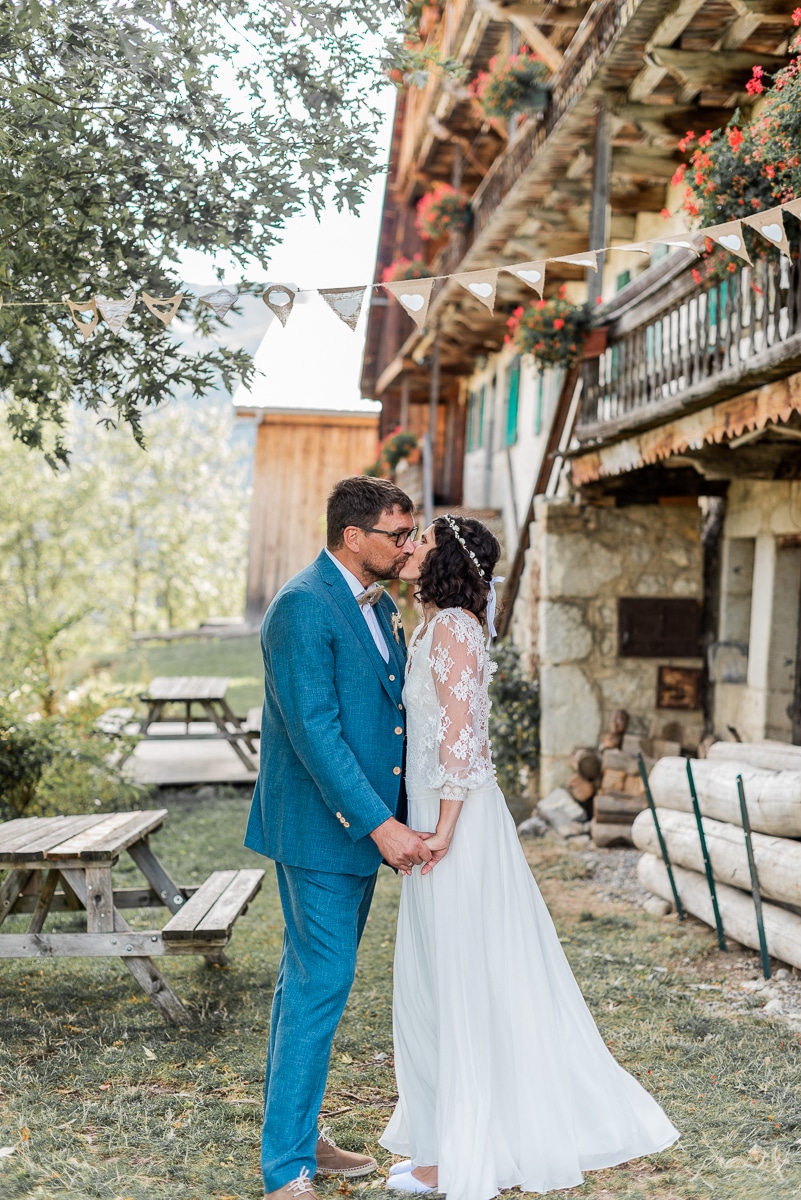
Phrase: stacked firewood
(771, 774)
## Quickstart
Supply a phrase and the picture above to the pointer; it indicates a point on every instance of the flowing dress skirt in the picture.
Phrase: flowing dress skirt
(503, 1077)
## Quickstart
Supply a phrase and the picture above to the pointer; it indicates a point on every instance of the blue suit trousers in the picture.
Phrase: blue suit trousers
(324, 915)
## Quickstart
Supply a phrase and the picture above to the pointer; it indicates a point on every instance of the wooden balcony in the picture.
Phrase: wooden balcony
(676, 344)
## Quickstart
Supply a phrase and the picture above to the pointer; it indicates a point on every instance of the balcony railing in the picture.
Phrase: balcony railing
(691, 342)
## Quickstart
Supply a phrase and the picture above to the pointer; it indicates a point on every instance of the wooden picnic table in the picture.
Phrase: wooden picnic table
(207, 692)
(57, 864)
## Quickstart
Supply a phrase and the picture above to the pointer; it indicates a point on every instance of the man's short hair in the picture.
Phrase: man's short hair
(361, 500)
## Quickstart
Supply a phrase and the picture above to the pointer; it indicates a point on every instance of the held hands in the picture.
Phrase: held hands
(400, 846)
(439, 844)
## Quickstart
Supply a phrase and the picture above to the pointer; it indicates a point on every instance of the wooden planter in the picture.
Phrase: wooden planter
(595, 345)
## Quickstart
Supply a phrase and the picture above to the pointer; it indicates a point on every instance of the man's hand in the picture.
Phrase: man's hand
(400, 846)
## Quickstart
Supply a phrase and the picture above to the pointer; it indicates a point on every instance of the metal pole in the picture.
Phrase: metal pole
(710, 879)
(749, 849)
(662, 846)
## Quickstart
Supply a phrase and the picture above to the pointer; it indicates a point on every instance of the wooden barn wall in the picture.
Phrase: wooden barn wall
(297, 462)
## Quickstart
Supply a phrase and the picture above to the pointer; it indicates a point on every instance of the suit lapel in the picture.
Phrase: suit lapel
(345, 601)
(397, 648)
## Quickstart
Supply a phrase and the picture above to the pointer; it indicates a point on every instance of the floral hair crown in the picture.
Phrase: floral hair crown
(455, 531)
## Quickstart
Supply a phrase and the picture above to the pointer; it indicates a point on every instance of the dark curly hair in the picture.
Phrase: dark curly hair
(448, 576)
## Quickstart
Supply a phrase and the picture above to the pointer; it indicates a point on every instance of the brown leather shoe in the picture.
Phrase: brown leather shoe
(332, 1160)
(297, 1189)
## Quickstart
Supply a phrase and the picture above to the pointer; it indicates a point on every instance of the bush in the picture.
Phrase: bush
(553, 331)
(514, 725)
(406, 268)
(516, 86)
(441, 211)
(55, 765)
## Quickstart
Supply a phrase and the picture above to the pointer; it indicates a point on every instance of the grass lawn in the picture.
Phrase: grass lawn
(239, 658)
(99, 1098)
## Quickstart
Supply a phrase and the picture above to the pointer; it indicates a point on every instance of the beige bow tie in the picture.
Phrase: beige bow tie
(370, 595)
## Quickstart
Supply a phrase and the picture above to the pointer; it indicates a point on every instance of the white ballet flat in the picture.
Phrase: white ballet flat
(406, 1182)
(401, 1168)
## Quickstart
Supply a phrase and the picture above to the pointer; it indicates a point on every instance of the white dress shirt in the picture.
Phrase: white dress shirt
(368, 612)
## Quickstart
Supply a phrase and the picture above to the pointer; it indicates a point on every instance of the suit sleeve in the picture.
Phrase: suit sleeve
(299, 657)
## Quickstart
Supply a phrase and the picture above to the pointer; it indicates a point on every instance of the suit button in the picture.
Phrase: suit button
(392, 679)
(396, 770)
(399, 729)
(340, 816)
(400, 706)
(346, 824)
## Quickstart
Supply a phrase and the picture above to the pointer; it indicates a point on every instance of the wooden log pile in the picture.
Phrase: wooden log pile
(773, 799)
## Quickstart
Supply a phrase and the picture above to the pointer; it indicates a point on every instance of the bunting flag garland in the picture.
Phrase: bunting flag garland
(116, 312)
(346, 303)
(531, 273)
(279, 298)
(729, 235)
(770, 224)
(87, 328)
(163, 307)
(481, 284)
(414, 295)
(220, 300)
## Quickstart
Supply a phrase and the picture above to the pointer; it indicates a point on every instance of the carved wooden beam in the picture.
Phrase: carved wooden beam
(550, 14)
(527, 27)
(709, 68)
(665, 34)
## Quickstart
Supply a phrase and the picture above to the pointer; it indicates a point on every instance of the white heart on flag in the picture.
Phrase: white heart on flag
(412, 301)
(279, 297)
(731, 241)
(481, 289)
(530, 276)
(584, 262)
(347, 305)
(774, 232)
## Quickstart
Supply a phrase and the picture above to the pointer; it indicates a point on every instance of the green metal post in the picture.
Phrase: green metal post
(710, 879)
(749, 849)
(662, 846)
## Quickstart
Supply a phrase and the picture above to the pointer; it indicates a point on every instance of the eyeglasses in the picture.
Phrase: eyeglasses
(399, 536)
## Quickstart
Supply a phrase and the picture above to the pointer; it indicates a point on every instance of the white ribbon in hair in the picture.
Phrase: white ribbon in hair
(492, 605)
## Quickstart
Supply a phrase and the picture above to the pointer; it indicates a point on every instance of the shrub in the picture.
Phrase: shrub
(518, 85)
(514, 721)
(441, 211)
(553, 331)
(406, 268)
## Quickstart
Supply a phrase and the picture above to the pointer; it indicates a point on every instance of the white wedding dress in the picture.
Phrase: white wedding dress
(503, 1078)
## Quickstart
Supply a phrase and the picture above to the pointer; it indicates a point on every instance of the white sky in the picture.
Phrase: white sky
(315, 360)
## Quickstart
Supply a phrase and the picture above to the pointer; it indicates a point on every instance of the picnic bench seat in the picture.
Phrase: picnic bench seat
(210, 914)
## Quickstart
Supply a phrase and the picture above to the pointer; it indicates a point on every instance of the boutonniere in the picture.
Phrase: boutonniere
(397, 625)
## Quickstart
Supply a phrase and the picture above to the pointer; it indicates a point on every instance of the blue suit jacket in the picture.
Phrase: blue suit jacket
(332, 729)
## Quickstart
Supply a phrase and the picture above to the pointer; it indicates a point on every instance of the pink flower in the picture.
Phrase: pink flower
(755, 86)
(797, 16)
(558, 323)
(735, 137)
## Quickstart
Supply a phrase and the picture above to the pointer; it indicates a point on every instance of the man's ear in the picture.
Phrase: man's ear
(350, 537)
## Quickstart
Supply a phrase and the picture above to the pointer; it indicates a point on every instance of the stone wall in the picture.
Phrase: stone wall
(588, 557)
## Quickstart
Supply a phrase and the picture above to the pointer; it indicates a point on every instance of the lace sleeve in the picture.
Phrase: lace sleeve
(457, 668)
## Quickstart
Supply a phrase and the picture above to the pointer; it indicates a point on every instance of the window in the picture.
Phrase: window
(512, 400)
(475, 420)
(538, 408)
(623, 278)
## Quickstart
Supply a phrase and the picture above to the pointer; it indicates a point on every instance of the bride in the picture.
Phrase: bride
(503, 1078)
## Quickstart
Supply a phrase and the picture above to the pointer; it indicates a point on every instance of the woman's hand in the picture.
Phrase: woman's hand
(439, 844)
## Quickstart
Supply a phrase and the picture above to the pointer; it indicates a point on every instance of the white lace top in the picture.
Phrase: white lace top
(447, 703)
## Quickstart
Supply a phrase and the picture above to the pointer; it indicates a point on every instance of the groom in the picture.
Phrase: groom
(325, 804)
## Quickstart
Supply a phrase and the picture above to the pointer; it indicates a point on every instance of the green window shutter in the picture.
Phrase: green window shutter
(538, 410)
(512, 401)
(471, 416)
(480, 416)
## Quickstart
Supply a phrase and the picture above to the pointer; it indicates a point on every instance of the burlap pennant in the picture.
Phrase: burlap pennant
(345, 302)
(87, 328)
(588, 258)
(220, 300)
(116, 312)
(163, 307)
(770, 224)
(279, 298)
(793, 207)
(531, 273)
(683, 240)
(729, 235)
(481, 284)
(415, 296)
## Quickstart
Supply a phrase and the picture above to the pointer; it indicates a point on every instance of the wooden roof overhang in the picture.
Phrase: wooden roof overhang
(660, 74)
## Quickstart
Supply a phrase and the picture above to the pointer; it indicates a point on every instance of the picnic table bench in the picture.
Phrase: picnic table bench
(206, 692)
(58, 864)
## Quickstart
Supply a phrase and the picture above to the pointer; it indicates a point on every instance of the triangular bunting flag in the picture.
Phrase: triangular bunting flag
(279, 298)
(587, 259)
(770, 224)
(729, 235)
(531, 273)
(163, 307)
(481, 284)
(345, 302)
(87, 328)
(220, 300)
(683, 240)
(794, 207)
(415, 296)
(116, 312)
